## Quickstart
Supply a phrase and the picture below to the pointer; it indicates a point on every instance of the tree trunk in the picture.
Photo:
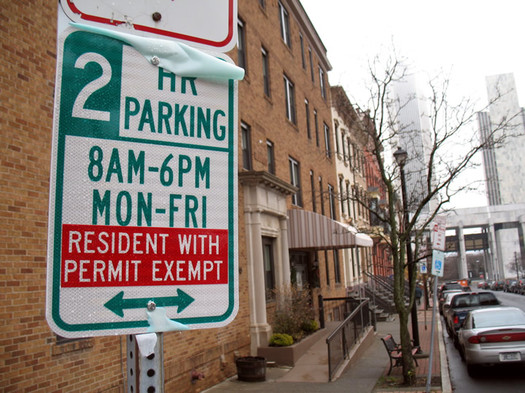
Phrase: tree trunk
(409, 369)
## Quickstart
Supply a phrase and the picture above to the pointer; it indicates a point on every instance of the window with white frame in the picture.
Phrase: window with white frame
(307, 117)
(285, 25)
(295, 180)
(241, 46)
(246, 146)
(270, 152)
(321, 83)
(265, 72)
(303, 58)
(289, 96)
(331, 201)
(312, 186)
(327, 145)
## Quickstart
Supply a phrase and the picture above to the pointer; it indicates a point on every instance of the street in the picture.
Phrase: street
(493, 379)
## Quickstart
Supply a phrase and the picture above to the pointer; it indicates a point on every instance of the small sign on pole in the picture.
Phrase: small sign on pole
(438, 258)
(206, 24)
(439, 233)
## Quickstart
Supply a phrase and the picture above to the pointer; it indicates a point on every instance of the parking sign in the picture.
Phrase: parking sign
(143, 193)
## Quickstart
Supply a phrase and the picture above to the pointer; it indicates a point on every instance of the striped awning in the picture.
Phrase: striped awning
(363, 240)
(309, 230)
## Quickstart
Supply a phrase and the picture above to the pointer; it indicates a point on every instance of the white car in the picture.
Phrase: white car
(492, 335)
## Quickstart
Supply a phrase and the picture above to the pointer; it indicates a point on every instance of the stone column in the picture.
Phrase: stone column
(285, 254)
(495, 252)
(259, 328)
(463, 270)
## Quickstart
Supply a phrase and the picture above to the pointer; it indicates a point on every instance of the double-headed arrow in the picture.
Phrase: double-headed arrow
(117, 304)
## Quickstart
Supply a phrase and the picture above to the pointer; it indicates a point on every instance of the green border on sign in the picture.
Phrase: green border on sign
(76, 43)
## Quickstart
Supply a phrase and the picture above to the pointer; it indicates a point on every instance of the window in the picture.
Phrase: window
(349, 144)
(246, 147)
(343, 144)
(289, 96)
(312, 186)
(269, 268)
(295, 180)
(348, 199)
(355, 201)
(270, 156)
(316, 124)
(359, 201)
(321, 83)
(285, 25)
(241, 45)
(337, 269)
(336, 128)
(327, 268)
(327, 146)
(303, 59)
(331, 201)
(307, 110)
(321, 193)
(311, 64)
(265, 72)
(341, 193)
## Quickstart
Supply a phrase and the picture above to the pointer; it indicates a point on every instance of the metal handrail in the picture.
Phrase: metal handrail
(341, 341)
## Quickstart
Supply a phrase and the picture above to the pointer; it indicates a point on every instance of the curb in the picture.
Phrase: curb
(446, 385)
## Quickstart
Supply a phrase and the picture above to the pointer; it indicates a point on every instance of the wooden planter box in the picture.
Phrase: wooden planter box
(287, 356)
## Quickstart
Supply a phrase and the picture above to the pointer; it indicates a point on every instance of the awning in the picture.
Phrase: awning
(363, 240)
(309, 230)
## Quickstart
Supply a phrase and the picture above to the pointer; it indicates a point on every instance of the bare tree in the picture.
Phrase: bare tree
(450, 146)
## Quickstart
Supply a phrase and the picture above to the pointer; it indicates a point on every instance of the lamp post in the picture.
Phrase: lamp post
(400, 156)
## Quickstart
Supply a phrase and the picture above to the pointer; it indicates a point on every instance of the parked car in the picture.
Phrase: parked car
(509, 285)
(515, 286)
(488, 284)
(498, 285)
(461, 304)
(461, 285)
(443, 297)
(492, 335)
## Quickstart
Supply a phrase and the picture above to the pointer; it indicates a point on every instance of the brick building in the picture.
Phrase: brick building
(350, 139)
(287, 165)
(287, 197)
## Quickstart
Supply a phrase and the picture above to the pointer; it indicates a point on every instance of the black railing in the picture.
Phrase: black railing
(341, 341)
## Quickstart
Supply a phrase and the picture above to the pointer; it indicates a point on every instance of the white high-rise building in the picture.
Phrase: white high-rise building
(413, 124)
(504, 164)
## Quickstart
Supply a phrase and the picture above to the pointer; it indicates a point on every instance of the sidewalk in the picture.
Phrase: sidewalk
(310, 374)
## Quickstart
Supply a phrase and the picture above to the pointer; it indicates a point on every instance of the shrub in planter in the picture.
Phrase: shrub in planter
(310, 326)
(293, 310)
(281, 340)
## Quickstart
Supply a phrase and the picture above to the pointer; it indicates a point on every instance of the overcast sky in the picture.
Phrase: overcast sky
(468, 39)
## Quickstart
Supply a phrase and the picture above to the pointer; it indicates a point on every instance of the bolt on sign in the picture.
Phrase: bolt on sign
(143, 193)
(207, 24)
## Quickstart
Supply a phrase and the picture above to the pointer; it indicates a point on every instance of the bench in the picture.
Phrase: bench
(394, 352)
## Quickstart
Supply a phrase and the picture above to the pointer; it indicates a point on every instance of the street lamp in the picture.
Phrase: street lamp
(401, 156)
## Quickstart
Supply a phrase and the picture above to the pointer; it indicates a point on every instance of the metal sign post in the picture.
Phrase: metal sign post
(145, 373)
(438, 262)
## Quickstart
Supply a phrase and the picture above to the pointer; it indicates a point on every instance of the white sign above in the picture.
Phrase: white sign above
(439, 230)
(207, 24)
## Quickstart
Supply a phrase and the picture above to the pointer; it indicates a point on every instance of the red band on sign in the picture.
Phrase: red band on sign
(109, 256)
